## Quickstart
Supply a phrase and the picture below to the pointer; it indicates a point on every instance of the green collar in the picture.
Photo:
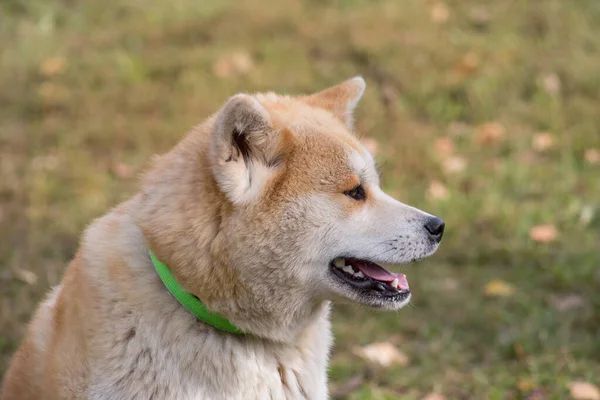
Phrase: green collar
(189, 301)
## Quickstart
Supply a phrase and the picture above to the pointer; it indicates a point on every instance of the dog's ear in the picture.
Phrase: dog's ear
(245, 149)
(340, 100)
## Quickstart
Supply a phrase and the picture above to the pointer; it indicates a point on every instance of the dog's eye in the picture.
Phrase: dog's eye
(357, 193)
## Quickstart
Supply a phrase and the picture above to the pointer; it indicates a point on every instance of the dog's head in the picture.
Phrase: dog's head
(306, 214)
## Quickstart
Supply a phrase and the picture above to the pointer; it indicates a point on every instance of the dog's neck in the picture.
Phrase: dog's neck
(179, 211)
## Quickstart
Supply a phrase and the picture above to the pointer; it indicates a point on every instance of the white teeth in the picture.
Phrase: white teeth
(359, 274)
(348, 269)
(339, 262)
(394, 283)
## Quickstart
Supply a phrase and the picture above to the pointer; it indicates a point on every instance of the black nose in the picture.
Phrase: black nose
(435, 227)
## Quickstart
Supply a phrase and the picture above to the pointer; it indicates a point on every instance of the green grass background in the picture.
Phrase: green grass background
(89, 90)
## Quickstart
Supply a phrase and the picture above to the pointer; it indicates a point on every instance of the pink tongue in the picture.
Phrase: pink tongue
(376, 272)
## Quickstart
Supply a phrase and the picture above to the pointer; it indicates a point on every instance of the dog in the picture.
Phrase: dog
(214, 281)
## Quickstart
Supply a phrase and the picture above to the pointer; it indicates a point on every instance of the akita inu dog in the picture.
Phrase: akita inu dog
(214, 281)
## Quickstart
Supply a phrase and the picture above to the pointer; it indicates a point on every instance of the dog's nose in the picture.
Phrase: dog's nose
(435, 227)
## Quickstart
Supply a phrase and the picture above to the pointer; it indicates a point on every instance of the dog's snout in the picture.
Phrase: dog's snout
(435, 227)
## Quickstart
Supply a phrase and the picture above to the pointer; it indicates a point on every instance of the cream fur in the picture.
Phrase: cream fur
(247, 211)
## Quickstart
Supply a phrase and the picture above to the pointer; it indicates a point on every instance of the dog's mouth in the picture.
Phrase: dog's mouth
(368, 276)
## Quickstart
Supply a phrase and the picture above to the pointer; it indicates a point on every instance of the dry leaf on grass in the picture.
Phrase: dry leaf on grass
(444, 147)
(525, 385)
(592, 156)
(439, 12)
(567, 302)
(438, 191)
(53, 66)
(467, 64)
(434, 396)
(454, 165)
(490, 133)
(551, 83)
(542, 142)
(370, 144)
(543, 233)
(584, 391)
(232, 64)
(26, 276)
(499, 288)
(122, 170)
(383, 354)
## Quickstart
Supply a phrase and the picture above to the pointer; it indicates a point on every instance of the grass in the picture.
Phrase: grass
(90, 90)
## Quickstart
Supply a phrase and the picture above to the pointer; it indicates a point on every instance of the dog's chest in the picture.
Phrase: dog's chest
(212, 365)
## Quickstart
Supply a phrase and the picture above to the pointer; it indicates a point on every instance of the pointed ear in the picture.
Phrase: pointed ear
(244, 148)
(340, 100)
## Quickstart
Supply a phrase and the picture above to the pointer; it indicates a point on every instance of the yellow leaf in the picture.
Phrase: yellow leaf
(383, 354)
(584, 391)
(543, 233)
(52, 66)
(499, 288)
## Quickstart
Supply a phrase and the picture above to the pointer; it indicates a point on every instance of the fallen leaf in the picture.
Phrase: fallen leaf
(52, 66)
(467, 64)
(499, 288)
(525, 385)
(543, 233)
(236, 63)
(444, 147)
(592, 156)
(490, 133)
(480, 17)
(370, 144)
(439, 12)
(567, 302)
(584, 391)
(551, 83)
(382, 354)
(542, 142)
(26, 276)
(434, 396)
(454, 165)
(122, 170)
(438, 191)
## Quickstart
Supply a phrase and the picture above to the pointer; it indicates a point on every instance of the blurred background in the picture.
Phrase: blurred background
(484, 113)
